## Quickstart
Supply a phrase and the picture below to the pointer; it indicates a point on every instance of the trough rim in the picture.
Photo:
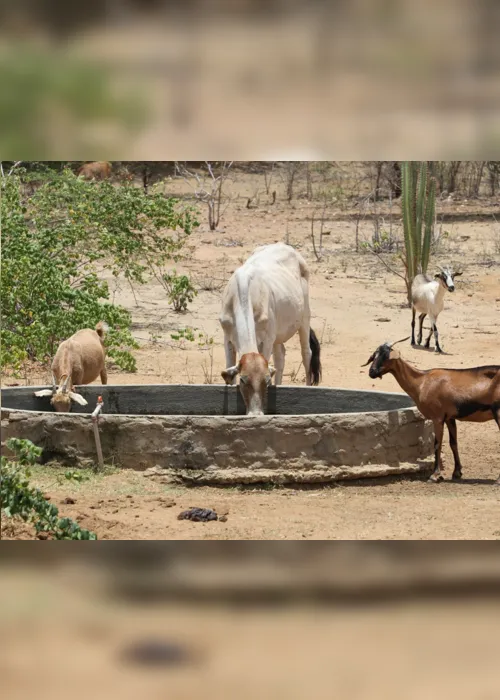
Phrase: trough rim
(412, 407)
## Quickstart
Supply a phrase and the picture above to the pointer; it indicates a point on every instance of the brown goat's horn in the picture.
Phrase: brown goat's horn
(400, 341)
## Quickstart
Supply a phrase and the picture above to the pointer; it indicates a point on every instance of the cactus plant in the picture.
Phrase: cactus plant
(418, 204)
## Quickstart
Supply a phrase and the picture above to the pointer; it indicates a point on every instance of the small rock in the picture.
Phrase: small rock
(383, 320)
(167, 502)
(46, 496)
(223, 518)
(68, 501)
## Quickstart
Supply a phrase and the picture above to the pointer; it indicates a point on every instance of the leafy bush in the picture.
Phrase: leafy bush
(59, 243)
(17, 497)
(180, 291)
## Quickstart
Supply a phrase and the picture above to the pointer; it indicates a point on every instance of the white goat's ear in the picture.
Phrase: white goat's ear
(43, 392)
(229, 374)
(272, 371)
(78, 398)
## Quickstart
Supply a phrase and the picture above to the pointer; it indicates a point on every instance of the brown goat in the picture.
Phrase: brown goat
(443, 396)
(99, 170)
(78, 360)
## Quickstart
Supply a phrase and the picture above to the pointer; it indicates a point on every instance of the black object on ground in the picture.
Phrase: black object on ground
(155, 652)
(198, 515)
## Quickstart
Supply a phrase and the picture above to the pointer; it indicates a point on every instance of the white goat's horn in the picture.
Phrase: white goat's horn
(65, 384)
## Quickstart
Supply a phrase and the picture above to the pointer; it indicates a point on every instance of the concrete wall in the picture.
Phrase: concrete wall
(237, 449)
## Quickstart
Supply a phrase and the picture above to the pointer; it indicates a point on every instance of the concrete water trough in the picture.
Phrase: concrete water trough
(199, 433)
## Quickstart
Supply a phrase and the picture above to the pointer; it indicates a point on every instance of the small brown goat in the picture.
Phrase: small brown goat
(443, 396)
(99, 170)
(78, 360)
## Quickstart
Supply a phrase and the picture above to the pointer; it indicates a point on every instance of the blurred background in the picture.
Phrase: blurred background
(251, 620)
(266, 79)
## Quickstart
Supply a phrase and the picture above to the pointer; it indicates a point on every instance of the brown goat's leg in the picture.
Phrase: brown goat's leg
(104, 376)
(438, 441)
(452, 430)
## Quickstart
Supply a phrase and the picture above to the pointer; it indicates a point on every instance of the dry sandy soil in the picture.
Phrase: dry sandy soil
(63, 634)
(356, 304)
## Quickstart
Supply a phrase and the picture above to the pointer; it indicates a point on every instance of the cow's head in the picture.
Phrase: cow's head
(255, 376)
(62, 395)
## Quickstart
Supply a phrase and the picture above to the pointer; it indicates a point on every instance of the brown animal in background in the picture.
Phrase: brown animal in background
(99, 170)
(78, 360)
(443, 396)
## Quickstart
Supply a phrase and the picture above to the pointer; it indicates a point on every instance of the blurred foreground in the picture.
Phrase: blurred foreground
(68, 628)
(280, 79)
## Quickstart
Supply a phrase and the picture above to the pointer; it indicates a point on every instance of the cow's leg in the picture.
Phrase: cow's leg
(305, 349)
(230, 355)
(279, 362)
(104, 376)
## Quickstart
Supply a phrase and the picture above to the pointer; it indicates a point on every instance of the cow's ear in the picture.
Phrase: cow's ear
(230, 373)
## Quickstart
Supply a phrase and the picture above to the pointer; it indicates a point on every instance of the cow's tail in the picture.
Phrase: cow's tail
(315, 366)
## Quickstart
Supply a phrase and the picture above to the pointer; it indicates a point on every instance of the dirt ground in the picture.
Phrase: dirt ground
(64, 634)
(356, 304)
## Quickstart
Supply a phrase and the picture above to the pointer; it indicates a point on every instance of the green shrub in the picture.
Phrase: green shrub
(59, 242)
(180, 291)
(17, 497)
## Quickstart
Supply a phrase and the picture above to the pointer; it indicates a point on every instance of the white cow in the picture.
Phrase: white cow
(265, 303)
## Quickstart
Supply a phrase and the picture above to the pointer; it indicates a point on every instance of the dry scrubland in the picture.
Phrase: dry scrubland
(356, 304)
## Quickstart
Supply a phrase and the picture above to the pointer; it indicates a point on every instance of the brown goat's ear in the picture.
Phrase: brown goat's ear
(77, 398)
(369, 360)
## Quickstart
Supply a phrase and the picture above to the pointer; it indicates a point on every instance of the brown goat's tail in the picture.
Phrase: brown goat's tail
(101, 329)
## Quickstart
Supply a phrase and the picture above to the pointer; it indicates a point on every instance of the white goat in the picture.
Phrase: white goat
(78, 360)
(427, 296)
(265, 303)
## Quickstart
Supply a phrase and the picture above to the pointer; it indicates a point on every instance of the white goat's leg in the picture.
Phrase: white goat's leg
(279, 362)
(306, 350)
(428, 341)
(230, 355)
(434, 330)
